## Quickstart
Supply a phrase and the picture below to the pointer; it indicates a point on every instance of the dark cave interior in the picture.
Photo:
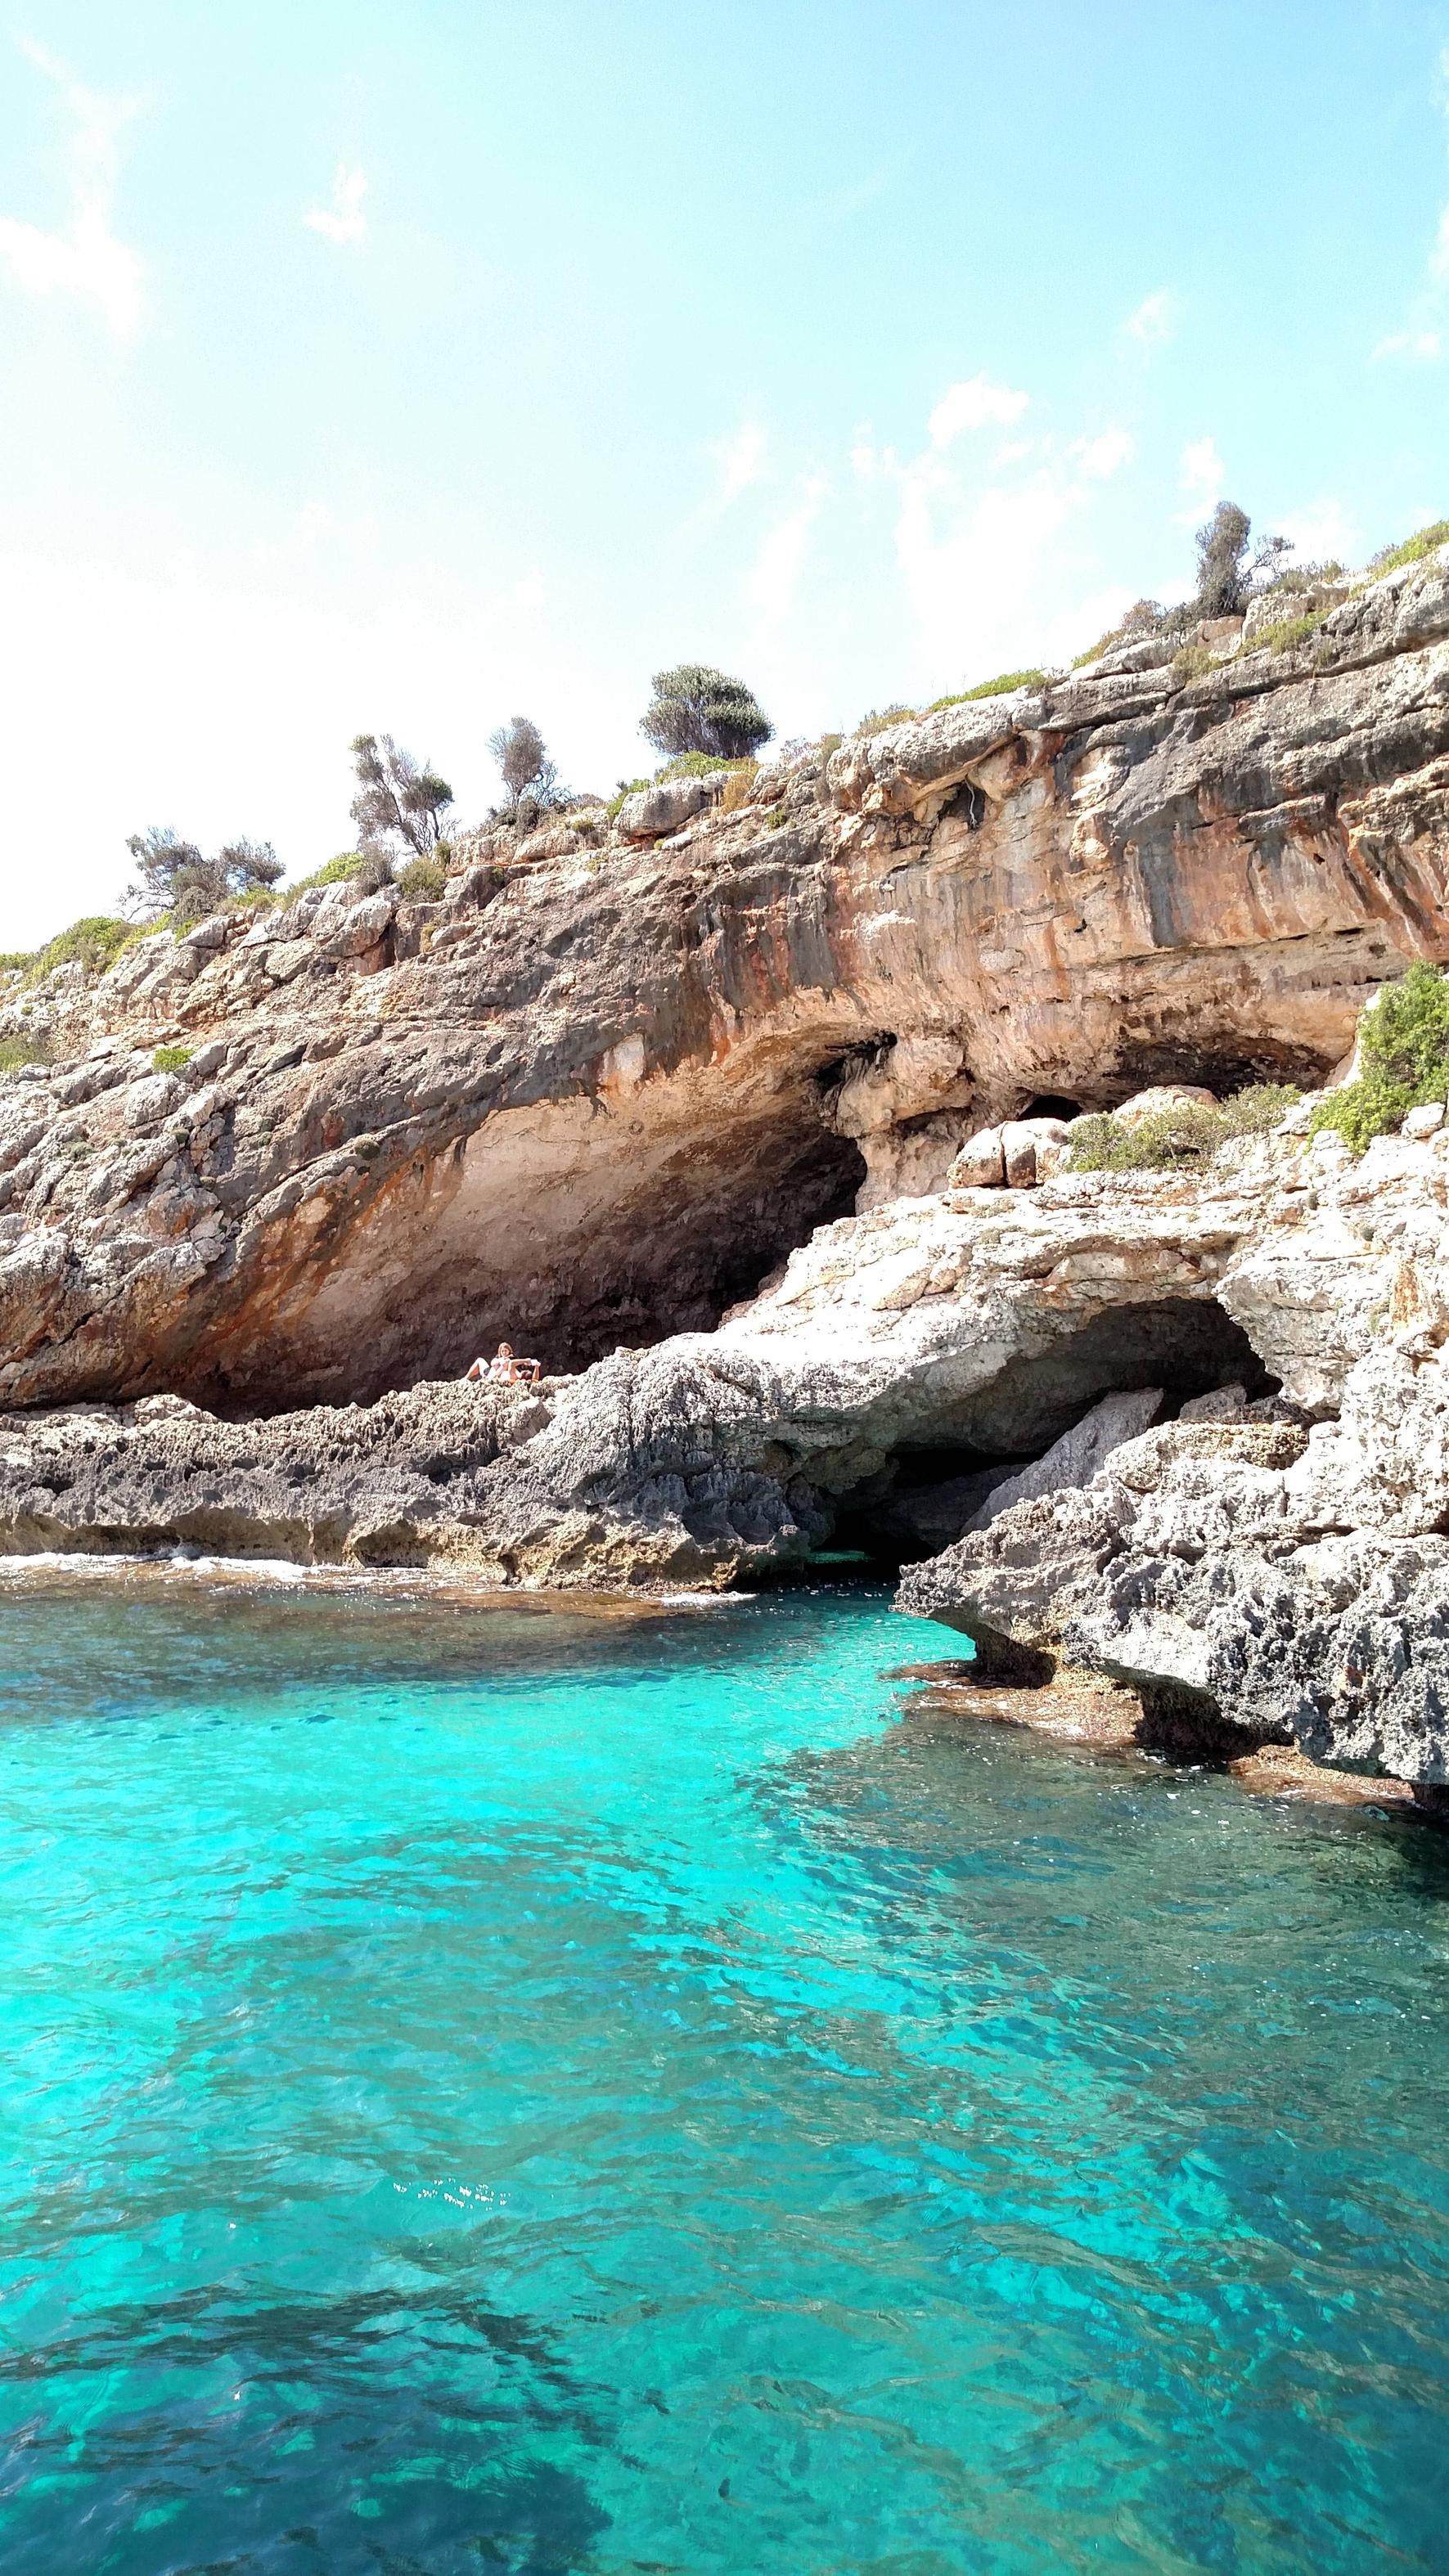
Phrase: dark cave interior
(922, 1500)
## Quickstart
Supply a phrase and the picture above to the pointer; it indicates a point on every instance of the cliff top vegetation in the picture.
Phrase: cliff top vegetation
(701, 717)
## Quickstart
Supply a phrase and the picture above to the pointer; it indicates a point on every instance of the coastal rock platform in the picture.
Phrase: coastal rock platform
(749, 1112)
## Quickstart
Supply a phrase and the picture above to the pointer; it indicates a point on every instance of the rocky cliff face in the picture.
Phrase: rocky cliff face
(1272, 1549)
(604, 1085)
(610, 1080)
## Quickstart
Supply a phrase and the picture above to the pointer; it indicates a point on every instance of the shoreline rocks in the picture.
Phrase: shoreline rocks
(750, 1114)
(1272, 1550)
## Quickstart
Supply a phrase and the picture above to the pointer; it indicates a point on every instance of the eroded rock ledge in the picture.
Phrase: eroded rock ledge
(1274, 1545)
(824, 1040)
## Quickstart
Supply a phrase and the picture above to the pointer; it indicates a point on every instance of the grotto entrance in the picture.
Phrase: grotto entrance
(566, 1229)
(936, 1480)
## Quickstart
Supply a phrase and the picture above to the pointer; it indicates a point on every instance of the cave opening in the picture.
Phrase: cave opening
(938, 1479)
(1051, 1104)
(697, 1252)
(566, 1232)
(1215, 1065)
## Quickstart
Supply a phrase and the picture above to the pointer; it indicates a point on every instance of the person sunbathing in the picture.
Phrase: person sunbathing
(504, 1369)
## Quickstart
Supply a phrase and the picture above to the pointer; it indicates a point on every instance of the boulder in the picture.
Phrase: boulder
(353, 929)
(1075, 1459)
(1023, 1142)
(980, 1164)
(662, 808)
(1159, 1099)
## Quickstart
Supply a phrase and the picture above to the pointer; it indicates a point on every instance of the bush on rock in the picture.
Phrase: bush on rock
(1176, 1138)
(175, 884)
(695, 708)
(423, 880)
(1413, 549)
(1403, 1052)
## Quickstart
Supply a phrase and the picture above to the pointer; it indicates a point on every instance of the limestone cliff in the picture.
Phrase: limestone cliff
(1277, 1549)
(600, 1089)
(614, 1078)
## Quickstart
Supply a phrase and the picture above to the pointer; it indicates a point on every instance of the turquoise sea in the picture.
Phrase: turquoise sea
(492, 2091)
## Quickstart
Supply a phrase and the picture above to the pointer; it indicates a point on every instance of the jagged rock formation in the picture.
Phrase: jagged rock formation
(1277, 1548)
(612, 1079)
(597, 1091)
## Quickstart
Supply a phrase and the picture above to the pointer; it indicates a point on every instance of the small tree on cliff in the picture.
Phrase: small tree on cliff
(696, 709)
(173, 877)
(523, 762)
(1227, 574)
(398, 800)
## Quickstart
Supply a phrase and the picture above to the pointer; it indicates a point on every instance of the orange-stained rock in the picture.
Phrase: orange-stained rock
(596, 1092)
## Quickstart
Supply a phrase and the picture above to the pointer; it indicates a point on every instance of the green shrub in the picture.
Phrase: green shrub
(1300, 577)
(14, 1052)
(828, 743)
(1103, 644)
(94, 942)
(256, 899)
(171, 1059)
(739, 787)
(700, 764)
(1192, 662)
(776, 819)
(1288, 633)
(696, 708)
(1412, 550)
(13, 961)
(1177, 1139)
(879, 718)
(1145, 617)
(1000, 687)
(346, 864)
(626, 787)
(1403, 1044)
(422, 880)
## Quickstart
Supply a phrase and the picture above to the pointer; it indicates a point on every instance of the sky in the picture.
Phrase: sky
(406, 365)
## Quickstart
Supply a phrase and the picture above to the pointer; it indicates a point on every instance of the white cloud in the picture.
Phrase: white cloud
(1439, 256)
(773, 583)
(977, 404)
(969, 558)
(1323, 533)
(223, 702)
(1100, 457)
(1153, 320)
(741, 460)
(866, 459)
(83, 257)
(995, 553)
(1201, 473)
(343, 220)
(1409, 344)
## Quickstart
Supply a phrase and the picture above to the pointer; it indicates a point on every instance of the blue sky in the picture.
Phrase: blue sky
(410, 364)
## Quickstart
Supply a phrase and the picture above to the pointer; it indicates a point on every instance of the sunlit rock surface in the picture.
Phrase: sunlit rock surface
(599, 1090)
(750, 1119)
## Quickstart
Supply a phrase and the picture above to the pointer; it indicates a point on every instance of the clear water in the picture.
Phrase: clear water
(498, 2092)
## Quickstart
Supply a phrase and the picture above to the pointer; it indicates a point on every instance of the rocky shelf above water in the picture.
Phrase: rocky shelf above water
(682, 1105)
